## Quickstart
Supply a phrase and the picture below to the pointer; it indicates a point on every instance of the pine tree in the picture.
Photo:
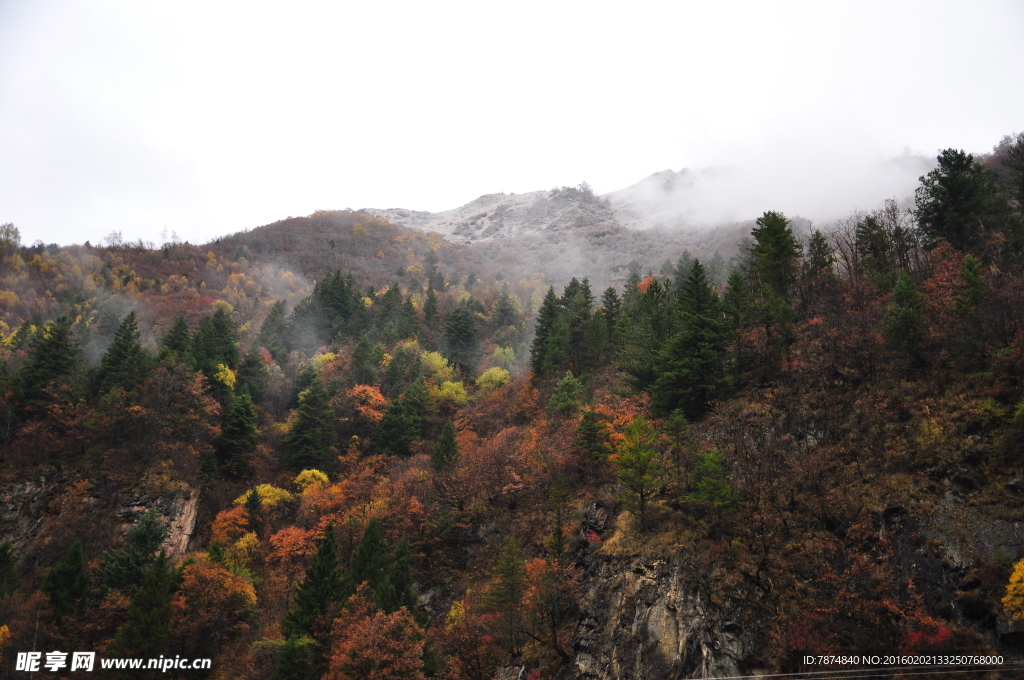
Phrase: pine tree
(692, 364)
(904, 325)
(959, 201)
(215, 342)
(592, 436)
(430, 309)
(397, 430)
(396, 589)
(549, 312)
(639, 467)
(683, 265)
(177, 341)
(461, 338)
(556, 544)
(370, 559)
(67, 583)
(238, 436)
(123, 569)
(820, 258)
(9, 580)
(775, 252)
(53, 357)
(505, 595)
(216, 553)
(125, 363)
(273, 332)
(254, 510)
(148, 630)
(611, 304)
(503, 312)
(310, 440)
(645, 325)
(252, 377)
(295, 660)
(445, 455)
(567, 394)
(322, 586)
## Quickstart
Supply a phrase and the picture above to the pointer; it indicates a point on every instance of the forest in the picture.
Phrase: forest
(408, 464)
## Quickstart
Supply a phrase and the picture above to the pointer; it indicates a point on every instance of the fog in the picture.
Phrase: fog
(204, 119)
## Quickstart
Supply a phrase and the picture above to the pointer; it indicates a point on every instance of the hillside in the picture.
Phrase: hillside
(337, 447)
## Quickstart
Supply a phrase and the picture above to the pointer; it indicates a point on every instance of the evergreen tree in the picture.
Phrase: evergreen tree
(9, 580)
(644, 327)
(273, 332)
(364, 361)
(67, 583)
(123, 569)
(238, 436)
(148, 630)
(959, 201)
(295, 660)
(692, 364)
(396, 589)
(370, 559)
(503, 312)
(716, 269)
(461, 338)
(417, 401)
(505, 596)
(611, 304)
(53, 357)
(549, 313)
(820, 258)
(322, 586)
(682, 272)
(430, 309)
(775, 252)
(397, 430)
(711, 481)
(216, 553)
(904, 325)
(252, 377)
(125, 363)
(567, 394)
(177, 342)
(592, 436)
(310, 440)
(254, 510)
(556, 543)
(639, 467)
(445, 455)
(215, 342)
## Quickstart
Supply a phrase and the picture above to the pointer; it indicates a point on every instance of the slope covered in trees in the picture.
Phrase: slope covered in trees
(401, 473)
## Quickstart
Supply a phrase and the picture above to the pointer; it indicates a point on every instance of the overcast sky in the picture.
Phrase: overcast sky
(205, 118)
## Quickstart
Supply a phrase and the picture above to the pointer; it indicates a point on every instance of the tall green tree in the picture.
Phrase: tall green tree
(775, 253)
(237, 438)
(310, 441)
(370, 559)
(639, 468)
(67, 583)
(645, 325)
(904, 324)
(592, 436)
(295, 660)
(123, 568)
(177, 341)
(215, 342)
(692, 365)
(274, 332)
(148, 630)
(540, 350)
(126, 363)
(397, 430)
(445, 455)
(322, 586)
(461, 338)
(504, 597)
(53, 360)
(959, 201)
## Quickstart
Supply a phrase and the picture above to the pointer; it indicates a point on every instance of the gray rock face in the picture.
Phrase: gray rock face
(641, 621)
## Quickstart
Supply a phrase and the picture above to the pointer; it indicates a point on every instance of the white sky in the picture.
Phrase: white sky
(205, 118)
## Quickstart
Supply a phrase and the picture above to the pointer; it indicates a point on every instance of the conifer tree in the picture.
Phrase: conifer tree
(310, 440)
(125, 363)
(959, 201)
(775, 252)
(611, 304)
(215, 342)
(322, 586)
(216, 553)
(295, 660)
(238, 436)
(461, 338)
(397, 430)
(645, 325)
(67, 583)
(370, 559)
(445, 455)
(252, 377)
(53, 357)
(592, 436)
(639, 467)
(505, 595)
(396, 589)
(254, 510)
(9, 580)
(682, 272)
(273, 332)
(124, 568)
(692, 364)
(148, 630)
(430, 309)
(567, 394)
(904, 325)
(503, 312)
(549, 312)
(556, 544)
(177, 341)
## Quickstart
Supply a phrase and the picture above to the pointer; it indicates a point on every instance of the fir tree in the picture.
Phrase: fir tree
(775, 252)
(148, 630)
(556, 544)
(567, 394)
(295, 660)
(310, 440)
(238, 436)
(959, 201)
(397, 430)
(322, 586)
(430, 308)
(216, 553)
(177, 342)
(549, 312)
(505, 596)
(692, 364)
(370, 559)
(611, 304)
(639, 467)
(67, 583)
(125, 363)
(53, 357)
(123, 569)
(592, 436)
(215, 342)
(254, 510)
(273, 332)
(503, 312)
(904, 325)
(396, 590)
(445, 455)
(461, 338)
(252, 377)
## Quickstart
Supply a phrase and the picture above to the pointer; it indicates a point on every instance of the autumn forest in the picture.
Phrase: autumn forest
(334, 447)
